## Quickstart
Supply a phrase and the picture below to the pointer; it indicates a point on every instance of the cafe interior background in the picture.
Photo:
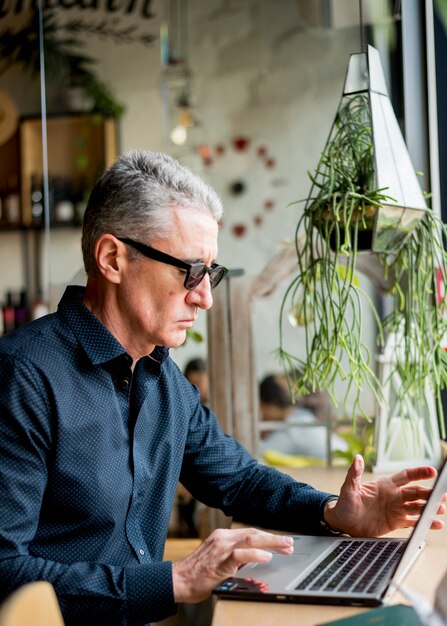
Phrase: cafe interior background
(244, 92)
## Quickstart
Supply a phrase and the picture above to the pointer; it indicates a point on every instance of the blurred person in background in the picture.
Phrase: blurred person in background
(305, 421)
(196, 372)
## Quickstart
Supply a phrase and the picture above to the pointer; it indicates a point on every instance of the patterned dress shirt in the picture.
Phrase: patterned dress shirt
(90, 457)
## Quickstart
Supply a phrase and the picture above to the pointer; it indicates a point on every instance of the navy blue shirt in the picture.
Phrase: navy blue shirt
(90, 457)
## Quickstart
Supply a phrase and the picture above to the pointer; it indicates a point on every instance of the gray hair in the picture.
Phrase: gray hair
(137, 194)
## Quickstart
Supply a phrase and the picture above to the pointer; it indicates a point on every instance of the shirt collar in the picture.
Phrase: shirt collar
(99, 344)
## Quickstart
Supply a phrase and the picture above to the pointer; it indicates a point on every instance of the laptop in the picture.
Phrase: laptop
(336, 569)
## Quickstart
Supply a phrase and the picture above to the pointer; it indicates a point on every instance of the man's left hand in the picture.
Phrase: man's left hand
(376, 508)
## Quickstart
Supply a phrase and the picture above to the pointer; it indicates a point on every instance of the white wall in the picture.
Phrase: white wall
(256, 72)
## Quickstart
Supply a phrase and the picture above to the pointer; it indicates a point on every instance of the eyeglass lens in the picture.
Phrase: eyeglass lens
(197, 273)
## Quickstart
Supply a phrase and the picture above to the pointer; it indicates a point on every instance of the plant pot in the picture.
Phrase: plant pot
(364, 239)
(381, 229)
(366, 219)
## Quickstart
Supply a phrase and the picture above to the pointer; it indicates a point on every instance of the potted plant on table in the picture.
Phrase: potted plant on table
(349, 220)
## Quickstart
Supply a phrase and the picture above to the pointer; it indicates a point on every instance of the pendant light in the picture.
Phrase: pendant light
(176, 73)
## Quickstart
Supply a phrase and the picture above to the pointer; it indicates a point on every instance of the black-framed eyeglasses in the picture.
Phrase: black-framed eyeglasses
(195, 272)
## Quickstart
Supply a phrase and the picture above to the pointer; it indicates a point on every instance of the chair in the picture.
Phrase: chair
(34, 604)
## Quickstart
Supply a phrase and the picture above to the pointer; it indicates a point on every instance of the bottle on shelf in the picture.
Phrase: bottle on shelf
(11, 203)
(39, 307)
(38, 199)
(20, 310)
(64, 212)
(8, 314)
(37, 211)
(63, 203)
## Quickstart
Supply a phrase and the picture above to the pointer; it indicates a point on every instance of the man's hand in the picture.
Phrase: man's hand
(375, 508)
(220, 556)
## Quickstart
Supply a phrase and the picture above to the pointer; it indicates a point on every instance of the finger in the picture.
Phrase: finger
(355, 472)
(251, 555)
(416, 493)
(442, 509)
(224, 541)
(412, 474)
(240, 557)
(418, 498)
(413, 513)
(254, 538)
(420, 504)
(422, 494)
(414, 508)
(437, 524)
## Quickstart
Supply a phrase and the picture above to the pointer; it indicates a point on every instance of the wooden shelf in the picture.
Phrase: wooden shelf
(79, 148)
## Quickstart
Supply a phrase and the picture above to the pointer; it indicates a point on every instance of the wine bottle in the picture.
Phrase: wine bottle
(8, 314)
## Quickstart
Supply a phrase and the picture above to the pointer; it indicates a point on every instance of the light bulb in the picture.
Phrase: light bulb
(178, 135)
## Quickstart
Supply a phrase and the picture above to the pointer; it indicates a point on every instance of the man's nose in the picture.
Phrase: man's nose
(201, 296)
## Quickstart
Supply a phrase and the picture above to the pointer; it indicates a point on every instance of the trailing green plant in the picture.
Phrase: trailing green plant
(418, 321)
(325, 296)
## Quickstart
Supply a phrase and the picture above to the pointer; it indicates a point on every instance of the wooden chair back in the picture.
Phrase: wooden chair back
(34, 604)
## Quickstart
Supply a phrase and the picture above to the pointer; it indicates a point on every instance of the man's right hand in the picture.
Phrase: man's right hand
(220, 556)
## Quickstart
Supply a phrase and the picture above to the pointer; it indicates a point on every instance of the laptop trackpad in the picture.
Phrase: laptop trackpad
(282, 569)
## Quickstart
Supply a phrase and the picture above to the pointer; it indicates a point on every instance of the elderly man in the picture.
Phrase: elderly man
(98, 424)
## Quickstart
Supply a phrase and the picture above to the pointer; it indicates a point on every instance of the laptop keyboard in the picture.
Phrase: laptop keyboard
(354, 566)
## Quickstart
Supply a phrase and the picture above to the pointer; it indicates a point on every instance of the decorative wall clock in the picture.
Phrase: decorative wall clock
(243, 173)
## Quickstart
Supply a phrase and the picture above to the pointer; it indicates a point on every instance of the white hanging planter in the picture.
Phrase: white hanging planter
(407, 432)
(406, 440)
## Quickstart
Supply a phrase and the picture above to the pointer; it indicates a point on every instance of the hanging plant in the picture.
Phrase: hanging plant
(339, 221)
(65, 65)
(345, 198)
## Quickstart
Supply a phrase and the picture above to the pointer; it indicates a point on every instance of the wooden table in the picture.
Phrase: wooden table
(424, 576)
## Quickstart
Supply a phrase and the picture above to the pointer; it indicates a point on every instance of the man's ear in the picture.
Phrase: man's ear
(110, 257)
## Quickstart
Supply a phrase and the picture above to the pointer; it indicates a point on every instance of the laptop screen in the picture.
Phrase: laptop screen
(423, 526)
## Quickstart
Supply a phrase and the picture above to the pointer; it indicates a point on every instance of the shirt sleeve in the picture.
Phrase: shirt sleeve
(219, 472)
(88, 592)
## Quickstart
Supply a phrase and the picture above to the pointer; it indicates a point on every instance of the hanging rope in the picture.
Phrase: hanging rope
(362, 28)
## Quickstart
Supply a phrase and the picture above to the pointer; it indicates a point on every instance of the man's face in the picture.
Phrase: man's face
(159, 308)
(272, 412)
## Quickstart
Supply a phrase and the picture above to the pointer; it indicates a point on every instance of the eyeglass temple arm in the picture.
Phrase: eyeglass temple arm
(156, 255)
